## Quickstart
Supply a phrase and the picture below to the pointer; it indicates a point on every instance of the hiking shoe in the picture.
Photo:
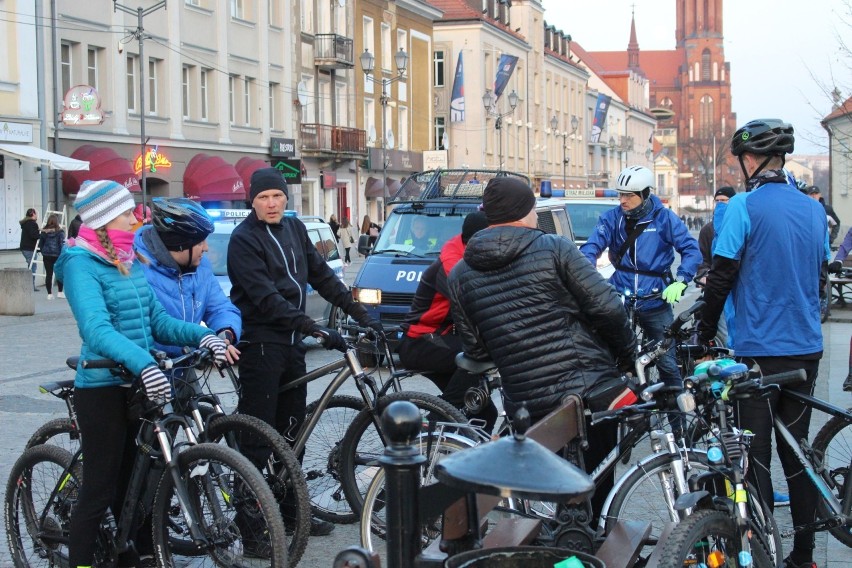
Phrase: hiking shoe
(320, 527)
(781, 499)
(847, 384)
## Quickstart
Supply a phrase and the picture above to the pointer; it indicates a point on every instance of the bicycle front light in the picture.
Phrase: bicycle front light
(369, 296)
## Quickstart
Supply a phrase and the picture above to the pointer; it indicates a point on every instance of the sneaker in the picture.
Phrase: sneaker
(147, 561)
(781, 499)
(320, 527)
(847, 384)
(790, 564)
(61, 295)
(50, 296)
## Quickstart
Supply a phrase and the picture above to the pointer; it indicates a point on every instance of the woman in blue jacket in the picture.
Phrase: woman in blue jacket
(119, 318)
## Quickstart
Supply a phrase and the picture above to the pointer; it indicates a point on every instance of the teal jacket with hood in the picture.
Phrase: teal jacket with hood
(118, 317)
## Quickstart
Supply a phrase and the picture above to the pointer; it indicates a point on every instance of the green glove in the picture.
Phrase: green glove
(673, 292)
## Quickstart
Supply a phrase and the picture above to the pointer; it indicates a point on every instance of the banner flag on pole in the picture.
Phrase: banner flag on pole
(504, 72)
(457, 101)
(601, 108)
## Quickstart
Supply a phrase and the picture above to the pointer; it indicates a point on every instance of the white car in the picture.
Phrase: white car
(224, 221)
(584, 215)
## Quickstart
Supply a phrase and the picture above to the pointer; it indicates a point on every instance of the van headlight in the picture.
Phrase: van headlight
(370, 296)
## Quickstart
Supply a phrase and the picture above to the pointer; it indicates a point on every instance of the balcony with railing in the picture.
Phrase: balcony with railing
(324, 139)
(332, 51)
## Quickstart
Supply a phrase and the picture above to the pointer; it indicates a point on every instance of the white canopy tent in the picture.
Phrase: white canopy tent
(43, 157)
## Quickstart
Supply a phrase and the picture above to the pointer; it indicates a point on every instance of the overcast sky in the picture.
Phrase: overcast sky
(775, 48)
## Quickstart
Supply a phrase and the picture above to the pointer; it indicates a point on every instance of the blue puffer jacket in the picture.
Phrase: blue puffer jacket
(191, 296)
(654, 250)
(118, 317)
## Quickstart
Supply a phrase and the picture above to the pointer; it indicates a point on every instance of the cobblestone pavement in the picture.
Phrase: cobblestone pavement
(34, 349)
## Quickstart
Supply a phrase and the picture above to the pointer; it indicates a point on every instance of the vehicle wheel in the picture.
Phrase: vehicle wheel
(59, 432)
(362, 445)
(234, 506)
(373, 530)
(833, 445)
(282, 472)
(34, 541)
(708, 538)
(321, 459)
(336, 318)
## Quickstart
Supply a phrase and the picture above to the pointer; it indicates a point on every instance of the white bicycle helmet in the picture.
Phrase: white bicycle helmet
(635, 179)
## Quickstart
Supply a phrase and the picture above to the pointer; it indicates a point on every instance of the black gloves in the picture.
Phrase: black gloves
(328, 338)
(373, 324)
(835, 267)
(359, 313)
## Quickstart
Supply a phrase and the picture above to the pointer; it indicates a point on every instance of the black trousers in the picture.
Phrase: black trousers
(264, 368)
(757, 415)
(49, 261)
(108, 442)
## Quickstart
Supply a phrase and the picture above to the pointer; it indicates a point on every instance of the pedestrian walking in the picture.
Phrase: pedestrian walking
(29, 239)
(347, 239)
(52, 239)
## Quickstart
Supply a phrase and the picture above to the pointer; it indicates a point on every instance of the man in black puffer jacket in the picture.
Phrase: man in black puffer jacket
(533, 304)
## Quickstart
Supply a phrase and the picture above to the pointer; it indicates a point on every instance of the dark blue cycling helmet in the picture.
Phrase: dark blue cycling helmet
(181, 223)
(765, 137)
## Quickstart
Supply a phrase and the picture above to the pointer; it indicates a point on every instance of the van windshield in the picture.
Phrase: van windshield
(417, 233)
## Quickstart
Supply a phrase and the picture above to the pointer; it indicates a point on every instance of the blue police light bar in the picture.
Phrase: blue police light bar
(606, 193)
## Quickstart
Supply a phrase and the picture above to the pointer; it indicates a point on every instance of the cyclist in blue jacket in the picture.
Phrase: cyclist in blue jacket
(770, 257)
(642, 236)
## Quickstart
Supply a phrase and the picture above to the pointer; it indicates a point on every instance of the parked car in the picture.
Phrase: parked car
(320, 234)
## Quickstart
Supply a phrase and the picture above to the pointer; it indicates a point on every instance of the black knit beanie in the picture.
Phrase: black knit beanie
(727, 191)
(474, 222)
(264, 179)
(507, 199)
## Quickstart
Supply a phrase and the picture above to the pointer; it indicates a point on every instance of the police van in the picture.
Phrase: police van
(224, 222)
(427, 211)
(585, 207)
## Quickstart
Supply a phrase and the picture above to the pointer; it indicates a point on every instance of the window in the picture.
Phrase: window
(403, 128)
(438, 68)
(705, 65)
(308, 16)
(237, 9)
(273, 104)
(369, 46)
(185, 91)
(65, 64)
(247, 86)
(232, 102)
(705, 115)
(387, 55)
(203, 82)
(153, 69)
(92, 55)
(192, 2)
(309, 110)
(340, 103)
(370, 122)
(440, 129)
(131, 84)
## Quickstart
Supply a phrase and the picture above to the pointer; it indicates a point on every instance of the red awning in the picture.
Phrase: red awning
(246, 166)
(104, 163)
(210, 178)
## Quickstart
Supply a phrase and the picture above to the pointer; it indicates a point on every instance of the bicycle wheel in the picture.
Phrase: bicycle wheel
(708, 538)
(321, 459)
(59, 432)
(35, 524)
(833, 444)
(362, 445)
(234, 506)
(282, 472)
(373, 522)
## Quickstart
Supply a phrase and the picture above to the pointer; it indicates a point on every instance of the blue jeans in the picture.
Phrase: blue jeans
(653, 322)
(28, 254)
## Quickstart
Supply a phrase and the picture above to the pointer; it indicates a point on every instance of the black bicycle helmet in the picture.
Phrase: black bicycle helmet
(181, 223)
(764, 136)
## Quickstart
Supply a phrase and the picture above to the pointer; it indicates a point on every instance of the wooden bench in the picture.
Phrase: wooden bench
(554, 431)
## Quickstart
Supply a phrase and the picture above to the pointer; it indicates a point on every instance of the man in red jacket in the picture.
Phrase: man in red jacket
(429, 343)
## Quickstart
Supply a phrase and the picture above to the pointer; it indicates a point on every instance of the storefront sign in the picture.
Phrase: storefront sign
(434, 159)
(290, 168)
(329, 180)
(282, 147)
(154, 159)
(16, 132)
(398, 160)
(82, 107)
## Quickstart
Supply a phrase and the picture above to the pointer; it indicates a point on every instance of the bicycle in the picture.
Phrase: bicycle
(226, 505)
(191, 374)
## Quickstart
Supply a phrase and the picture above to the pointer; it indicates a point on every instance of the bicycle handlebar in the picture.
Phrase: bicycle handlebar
(785, 378)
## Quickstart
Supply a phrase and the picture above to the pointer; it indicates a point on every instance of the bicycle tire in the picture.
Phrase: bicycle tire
(285, 478)
(641, 482)
(26, 499)
(704, 532)
(321, 458)
(244, 504)
(59, 432)
(362, 445)
(372, 514)
(837, 463)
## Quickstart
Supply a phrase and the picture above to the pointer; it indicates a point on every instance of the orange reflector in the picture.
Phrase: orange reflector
(716, 559)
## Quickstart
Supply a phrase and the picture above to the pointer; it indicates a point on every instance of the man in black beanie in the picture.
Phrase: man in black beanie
(271, 260)
(531, 302)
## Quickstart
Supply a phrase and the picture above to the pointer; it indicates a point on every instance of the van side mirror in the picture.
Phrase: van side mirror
(364, 245)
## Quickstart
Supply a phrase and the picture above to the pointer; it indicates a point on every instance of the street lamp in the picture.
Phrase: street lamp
(139, 33)
(489, 101)
(575, 123)
(368, 63)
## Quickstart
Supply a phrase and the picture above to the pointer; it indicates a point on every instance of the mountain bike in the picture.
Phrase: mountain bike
(227, 508)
